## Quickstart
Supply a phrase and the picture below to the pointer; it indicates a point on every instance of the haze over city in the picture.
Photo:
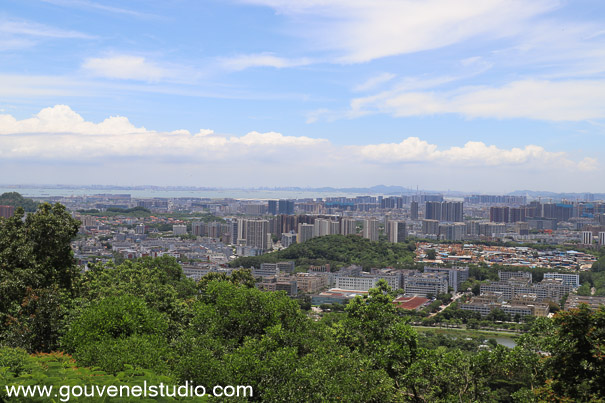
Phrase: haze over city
(480, 96)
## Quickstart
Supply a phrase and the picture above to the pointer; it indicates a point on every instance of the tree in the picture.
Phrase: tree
(160, 282)
(15, 199)
(36, 267)
(241, 277)
(576, 366)
(431, 254)
(114, 332)
(373, 328)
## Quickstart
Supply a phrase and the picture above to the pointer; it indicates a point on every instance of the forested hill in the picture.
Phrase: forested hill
(15, 199)
(338, 251)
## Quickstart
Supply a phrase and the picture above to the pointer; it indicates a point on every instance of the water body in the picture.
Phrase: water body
(506, 341)
(242, 194)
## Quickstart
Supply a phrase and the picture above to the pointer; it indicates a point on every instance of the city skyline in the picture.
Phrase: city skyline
(478, 97)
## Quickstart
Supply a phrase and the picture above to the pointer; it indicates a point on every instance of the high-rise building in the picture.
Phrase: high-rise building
(272, 207)
(305, 232)
(397, 231)
(287, 239)
(444, 211)
(432, 210)
(348, 226)
(430, 227)
(394, 202)
(456, 275)
(7, 211)
(370, 229)
(414, 210)
(499, 214)
(233, 230)
(452, 211)
(517, 214)
(587, 237)
(286, 207)
(198, 228)
(601, 238)
(256, 233)
(334, 227)
(558, 211)
(241, 231)
(321, 227)
(452, 231)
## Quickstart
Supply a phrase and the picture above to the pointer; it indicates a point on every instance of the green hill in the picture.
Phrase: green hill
(15, 199)
(338, 251)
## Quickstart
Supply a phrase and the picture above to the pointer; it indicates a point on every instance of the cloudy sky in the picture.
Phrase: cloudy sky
(472, 95)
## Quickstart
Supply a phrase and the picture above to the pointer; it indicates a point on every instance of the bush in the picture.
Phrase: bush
(119, 331)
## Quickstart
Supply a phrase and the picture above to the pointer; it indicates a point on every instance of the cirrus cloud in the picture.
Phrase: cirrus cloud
(565, 100)
(124, 67)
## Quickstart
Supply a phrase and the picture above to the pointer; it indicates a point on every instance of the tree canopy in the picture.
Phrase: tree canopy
(15, 199)
(338, 251)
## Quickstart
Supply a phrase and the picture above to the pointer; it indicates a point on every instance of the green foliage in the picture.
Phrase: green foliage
(137, 212)
(15, 199)
(128, 210)
(599, 265)
(338, 251)
(160, 282)
(14, 360)
(240, 335)
(118, 331)
(228, 311)
(576, 367)
(36, 263)
(61, 372)
(241, 276)
(592, 279)
(38, 322)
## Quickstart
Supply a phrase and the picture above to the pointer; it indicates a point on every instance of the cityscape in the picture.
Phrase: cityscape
(205, 235)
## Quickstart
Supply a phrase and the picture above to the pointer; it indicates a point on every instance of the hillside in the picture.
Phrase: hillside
(338, 251)
(15, 199)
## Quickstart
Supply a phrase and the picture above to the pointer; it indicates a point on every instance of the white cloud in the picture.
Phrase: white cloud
(125, 67)
(33, 29)
(473, 153)
(62, 119)
(59, 133)
(84, 4)
(365, 30)
(242, 62)
(116, 151)
(570, 100)
(19, 34)
(374, 82)
(588, 164)
(275, 139)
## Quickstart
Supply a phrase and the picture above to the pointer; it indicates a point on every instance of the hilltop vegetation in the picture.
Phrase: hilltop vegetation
(339, 251)
(15, 199)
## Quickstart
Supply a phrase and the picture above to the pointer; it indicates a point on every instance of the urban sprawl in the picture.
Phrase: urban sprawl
(477, 229)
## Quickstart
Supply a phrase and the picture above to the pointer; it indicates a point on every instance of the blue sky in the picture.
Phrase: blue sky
(480, 96)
